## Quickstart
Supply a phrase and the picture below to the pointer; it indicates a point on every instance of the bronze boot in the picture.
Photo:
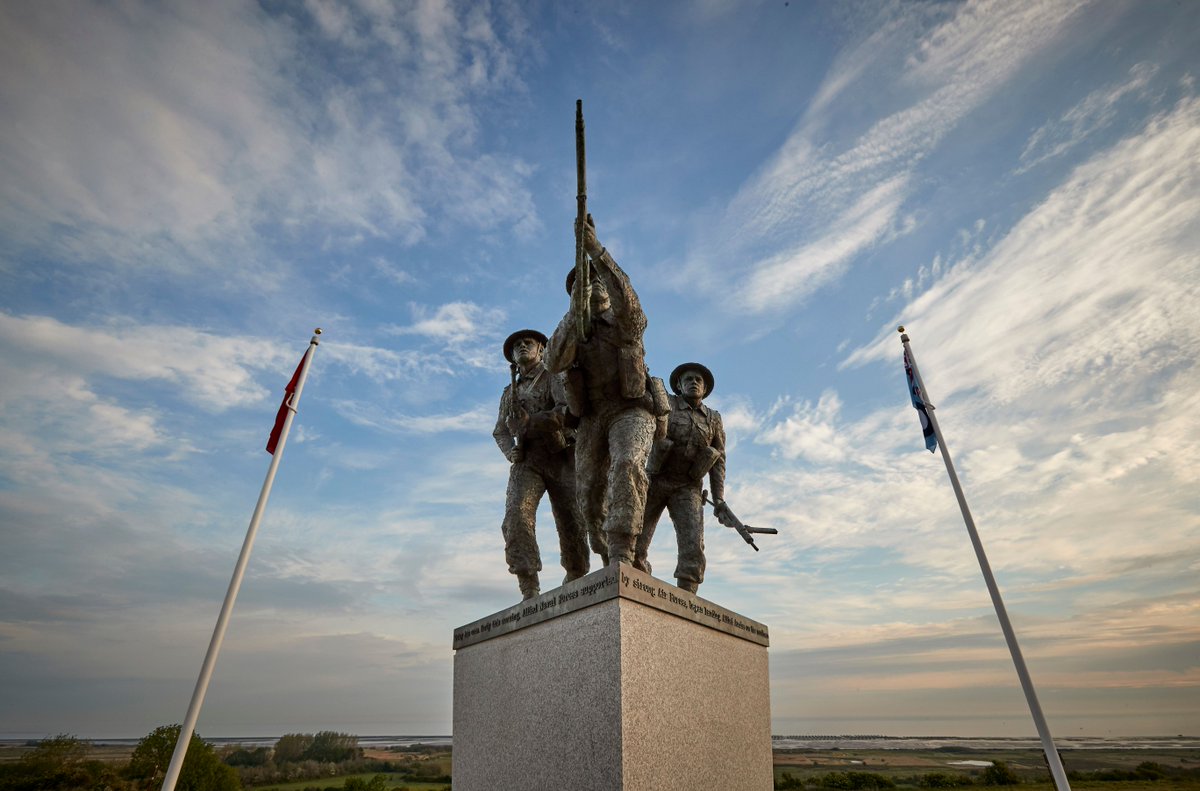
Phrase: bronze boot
(529, 585)
(620, 548)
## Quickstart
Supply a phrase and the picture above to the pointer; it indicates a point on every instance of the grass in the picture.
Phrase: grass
(904, 767)
(394, 781)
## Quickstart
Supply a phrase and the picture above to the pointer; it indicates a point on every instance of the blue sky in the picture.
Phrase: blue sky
(189, 188)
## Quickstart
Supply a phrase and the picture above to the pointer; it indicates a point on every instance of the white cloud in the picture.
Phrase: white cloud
(822, 202)
(137, 119)
(1094, 112)
(151, 130)
(453, 322)
(211, 371)
(464, 330)
(386, 365)
(1087, 298)
(1063, 365)
(480, 419)
(790, 276)
(809, 432)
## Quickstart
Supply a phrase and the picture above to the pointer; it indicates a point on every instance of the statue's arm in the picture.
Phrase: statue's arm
(558, 391)
(560, 349)
(716, 473)
(504, 440)
(626, 305)
(552, 415)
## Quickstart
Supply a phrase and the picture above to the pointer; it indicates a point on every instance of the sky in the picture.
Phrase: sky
(188, 189)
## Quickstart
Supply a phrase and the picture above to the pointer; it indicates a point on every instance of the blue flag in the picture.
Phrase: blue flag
(919, 404)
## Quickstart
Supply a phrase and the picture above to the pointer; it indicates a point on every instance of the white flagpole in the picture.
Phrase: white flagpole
(214, 646)
(1052, 757)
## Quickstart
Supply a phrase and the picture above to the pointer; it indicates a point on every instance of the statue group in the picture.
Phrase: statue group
(583, 421)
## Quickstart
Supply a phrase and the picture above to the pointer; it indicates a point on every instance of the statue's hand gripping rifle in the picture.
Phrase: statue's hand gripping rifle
(727, 518)
(513, 421)
(583, 273)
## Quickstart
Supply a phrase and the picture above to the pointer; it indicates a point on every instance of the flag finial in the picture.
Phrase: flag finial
(903, 335)
(317, 331)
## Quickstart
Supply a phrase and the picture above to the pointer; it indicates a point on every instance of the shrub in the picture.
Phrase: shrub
(332, 747)
(852, 781)
(943, 780)
(376, 783)
(202, 769)
(1000, 774)
(244, 757)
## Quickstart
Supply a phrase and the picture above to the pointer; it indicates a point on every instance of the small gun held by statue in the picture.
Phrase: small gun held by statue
(743, 530)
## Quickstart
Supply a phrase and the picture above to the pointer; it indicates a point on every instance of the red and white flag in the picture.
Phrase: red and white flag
(281, 416)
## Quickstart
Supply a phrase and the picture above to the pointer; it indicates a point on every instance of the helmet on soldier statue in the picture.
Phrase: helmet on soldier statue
(677, 374)
(518, 335)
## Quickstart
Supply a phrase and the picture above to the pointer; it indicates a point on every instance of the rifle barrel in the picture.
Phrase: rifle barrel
(580, 160)
(583, 275)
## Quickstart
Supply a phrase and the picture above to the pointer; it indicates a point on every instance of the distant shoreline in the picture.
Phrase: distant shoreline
(778, 742)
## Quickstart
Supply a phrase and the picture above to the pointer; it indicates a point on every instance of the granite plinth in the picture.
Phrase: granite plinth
(624, 682)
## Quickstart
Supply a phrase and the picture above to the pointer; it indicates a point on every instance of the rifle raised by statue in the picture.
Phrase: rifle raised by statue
(583, 273)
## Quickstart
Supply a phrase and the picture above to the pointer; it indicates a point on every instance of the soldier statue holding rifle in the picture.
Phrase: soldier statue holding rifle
(531, 433)
(617, 402)
(598, 345)
(597, 356)
(693, 447)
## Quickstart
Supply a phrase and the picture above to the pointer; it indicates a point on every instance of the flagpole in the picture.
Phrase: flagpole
(1052, 756)
(214, 646)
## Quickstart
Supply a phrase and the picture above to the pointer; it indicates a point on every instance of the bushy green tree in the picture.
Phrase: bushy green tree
(291, 747)
(59, 763)
(58, 752)
(202, 769)
(943, 780)
(788, 781)
(376, 783)
(260, 756)
(856, 780)
(332, 747)
(1000, 774)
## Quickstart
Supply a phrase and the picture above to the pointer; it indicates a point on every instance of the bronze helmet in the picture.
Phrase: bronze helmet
(518, 335)
(709, 382)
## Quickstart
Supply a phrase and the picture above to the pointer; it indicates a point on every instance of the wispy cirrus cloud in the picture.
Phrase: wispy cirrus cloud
(818, 203)
(1093, 279)
(1094, 112)
(1062, 360)
(210, 370)
(154, 131)
(477, 420)
(464, 330)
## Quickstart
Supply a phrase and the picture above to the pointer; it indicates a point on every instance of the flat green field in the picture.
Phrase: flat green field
(394, 781)
(905, 767)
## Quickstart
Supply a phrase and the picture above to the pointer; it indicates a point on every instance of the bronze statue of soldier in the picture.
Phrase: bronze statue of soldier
(611, 392)
(531, 432)
(693, 447)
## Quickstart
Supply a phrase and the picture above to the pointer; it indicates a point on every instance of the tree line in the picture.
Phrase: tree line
(66, 763)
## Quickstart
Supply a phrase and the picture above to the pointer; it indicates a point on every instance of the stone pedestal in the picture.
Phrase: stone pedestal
(614, 681)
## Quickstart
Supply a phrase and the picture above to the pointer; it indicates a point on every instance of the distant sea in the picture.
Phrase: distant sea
(811, 742)
(982, 743)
